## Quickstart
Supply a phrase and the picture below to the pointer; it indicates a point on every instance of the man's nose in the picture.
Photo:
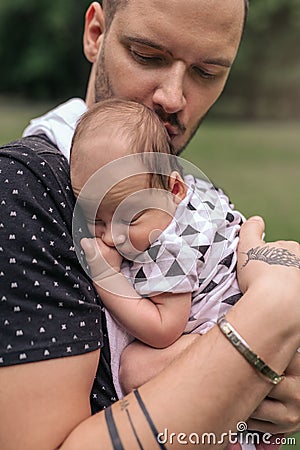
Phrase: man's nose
(169, 93)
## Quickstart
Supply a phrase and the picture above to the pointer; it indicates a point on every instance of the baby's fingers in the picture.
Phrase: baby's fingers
(91, 249)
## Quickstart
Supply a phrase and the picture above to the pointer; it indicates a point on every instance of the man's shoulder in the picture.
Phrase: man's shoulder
(38, 144)
(35, 155)
(33, 165)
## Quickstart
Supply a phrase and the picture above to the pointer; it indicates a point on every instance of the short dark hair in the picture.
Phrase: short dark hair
(110, 7)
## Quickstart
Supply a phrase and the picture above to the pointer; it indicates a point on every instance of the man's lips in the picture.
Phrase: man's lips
(172, 131)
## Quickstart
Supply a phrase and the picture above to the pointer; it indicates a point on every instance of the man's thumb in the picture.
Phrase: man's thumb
(251, 234)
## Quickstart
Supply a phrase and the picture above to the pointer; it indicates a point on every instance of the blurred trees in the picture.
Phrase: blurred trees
(41, 56)
(41, 48)
(265, 80)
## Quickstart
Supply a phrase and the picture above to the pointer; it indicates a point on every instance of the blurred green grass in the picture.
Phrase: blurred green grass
(257, 164)
(15, 115)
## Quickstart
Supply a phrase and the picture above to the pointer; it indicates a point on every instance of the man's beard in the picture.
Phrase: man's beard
(103, 89)
(194, 131)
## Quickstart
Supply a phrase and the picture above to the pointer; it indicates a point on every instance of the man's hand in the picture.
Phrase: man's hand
(268, 262)
(280, 411)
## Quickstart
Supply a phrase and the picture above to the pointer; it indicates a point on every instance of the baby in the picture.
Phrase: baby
(164, 254)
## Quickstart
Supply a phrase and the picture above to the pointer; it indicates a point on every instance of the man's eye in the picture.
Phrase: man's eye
(145, 59)
(204, 74)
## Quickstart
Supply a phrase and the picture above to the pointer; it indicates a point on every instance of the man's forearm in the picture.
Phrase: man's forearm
(205, 390)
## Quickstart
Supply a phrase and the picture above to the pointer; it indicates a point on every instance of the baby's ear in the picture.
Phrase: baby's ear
(177, 186)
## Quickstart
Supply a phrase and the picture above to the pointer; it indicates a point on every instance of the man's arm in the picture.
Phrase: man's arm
(194, 395)
(279, 412)
(48, 309)
(43, 402)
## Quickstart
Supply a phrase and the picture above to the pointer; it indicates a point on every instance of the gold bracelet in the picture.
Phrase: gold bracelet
(241, 345)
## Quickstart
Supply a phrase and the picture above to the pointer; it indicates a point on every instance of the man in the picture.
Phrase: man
(175, 57)
(177, 74)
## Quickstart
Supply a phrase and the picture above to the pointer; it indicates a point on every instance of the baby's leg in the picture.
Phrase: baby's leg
(139, 362)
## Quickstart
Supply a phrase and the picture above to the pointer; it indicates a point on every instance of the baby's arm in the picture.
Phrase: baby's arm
(157, 321)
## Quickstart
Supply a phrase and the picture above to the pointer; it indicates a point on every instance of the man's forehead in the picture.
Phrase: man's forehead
(189, 23)
(188, 5)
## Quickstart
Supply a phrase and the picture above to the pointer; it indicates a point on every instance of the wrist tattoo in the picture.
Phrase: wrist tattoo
(113, 430)
(148, 418)
(273, 255)
(124, 407)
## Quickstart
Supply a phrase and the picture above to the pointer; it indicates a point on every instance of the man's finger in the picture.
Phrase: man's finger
(251, 234)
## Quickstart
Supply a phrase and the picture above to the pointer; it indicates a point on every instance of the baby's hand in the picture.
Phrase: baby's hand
(103, 261)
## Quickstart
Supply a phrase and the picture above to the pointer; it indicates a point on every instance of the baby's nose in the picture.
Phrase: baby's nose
(107, 238)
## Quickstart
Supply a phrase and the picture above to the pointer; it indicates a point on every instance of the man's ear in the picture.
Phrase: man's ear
(93, 31)
(177, 187)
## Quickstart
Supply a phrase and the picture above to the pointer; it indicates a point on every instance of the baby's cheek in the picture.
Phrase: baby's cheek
(139, 238)
(95, 230)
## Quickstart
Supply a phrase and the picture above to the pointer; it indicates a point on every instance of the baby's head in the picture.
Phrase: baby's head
(113, 129)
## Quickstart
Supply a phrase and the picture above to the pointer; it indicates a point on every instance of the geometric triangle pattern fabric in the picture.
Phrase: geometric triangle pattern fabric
(230, 217)
(153, 252)
(196, 253)
(189, 230)
(219, 238)
(175, 270)
(191, 207)
(233, 299)
(140, 276)
(227, 261)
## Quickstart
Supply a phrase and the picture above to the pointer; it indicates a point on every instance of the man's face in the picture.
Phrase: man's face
(173, 56)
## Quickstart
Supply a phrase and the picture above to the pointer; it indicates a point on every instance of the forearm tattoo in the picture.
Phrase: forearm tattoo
(273, 255)
(124, 407)
(113, 430)
(149, 420)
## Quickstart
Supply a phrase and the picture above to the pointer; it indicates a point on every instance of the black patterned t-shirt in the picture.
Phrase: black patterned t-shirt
(48, 306)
